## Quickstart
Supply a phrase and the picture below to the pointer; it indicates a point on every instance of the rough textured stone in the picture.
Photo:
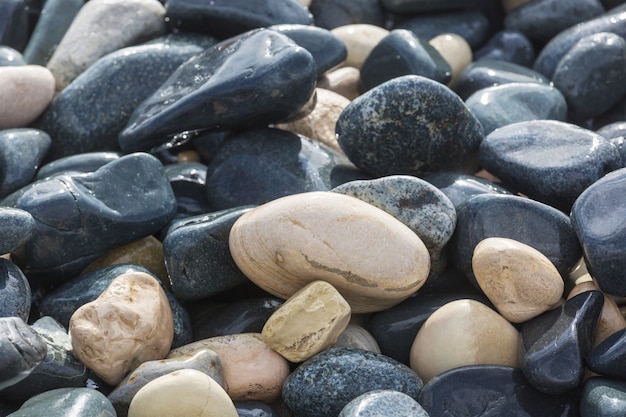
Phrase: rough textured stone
(383, 403)
(603, 396)
(25, 91)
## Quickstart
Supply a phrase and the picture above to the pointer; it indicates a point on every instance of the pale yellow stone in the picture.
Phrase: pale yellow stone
(355, 336)
(310, 321)
(359, 39)
(252, 370)
(343, 81)
(455, 50)
(128, 324)
(519, 280)
(182, 393)
(460, 333)
(508, 5)
(369, 256)
(25, 92)
(319, 125)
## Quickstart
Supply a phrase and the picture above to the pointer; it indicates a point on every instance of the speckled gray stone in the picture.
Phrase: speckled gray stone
(16, 228)
(14, 291)
(383, 403)
(604, 397)
(67, 402)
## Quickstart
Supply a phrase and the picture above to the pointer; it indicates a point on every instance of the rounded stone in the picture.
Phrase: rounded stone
(343, 81)
(287, 243)
(383, 403)
(603, 397)
(14, 291)
(455, 50)
(16, 228)
(25, 92)
(67, 402)
(359, 39)
(509, 46)
(355, 336)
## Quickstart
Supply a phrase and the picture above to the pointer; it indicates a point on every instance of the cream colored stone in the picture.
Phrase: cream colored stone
(319, 125)
(252, 370)
(455, 50)
(182, 393)
(359, 39)
(509, 5)
(128, 324)
(343, 81)
(369, 256)
(25, 92)
(310, 321)
(519, 280)
(357, 337)
(460, 333)
(305, 3)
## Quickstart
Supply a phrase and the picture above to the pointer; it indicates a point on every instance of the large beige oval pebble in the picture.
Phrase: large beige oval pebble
(310, 321)
(455, 51)
(128, 324)
(360, 39)
(519, 280)
(369, 256)
(343, 81)
(25, 92)
(182, 393)
(460, 333)
(252, 370)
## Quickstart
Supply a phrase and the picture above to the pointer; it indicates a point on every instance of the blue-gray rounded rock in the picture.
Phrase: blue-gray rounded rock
(79, 163)
(67, 402)
(16, 228)
(386, 403)
(459, 187)
(14, 291)
(508, 46)
(21, 152)
(420, 6)
(21, 350)
(330, 14)
(188, 182)
(616, 134)
(9, 57)
(609, 357)
(604, 397)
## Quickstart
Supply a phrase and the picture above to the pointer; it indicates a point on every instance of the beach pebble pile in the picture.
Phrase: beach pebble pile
(312, 208)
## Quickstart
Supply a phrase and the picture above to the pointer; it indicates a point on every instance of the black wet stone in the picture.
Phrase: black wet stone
(554, 346)
(603, 397)
(491, 390)
(254, 409)
(16, 228)
(21, 350)
(460, 187)
(197, 256)
(13, 24)
(257, 166)
(89, 114)
(79, 163)
(598, 219)
(502, 105)
(188, 182)
(330, 14)
(510, 46)
(67, 402)
(549, 161)
(21, 152)
(254, 79)
(14, 291)
(9, 57)
(324, 384)
(609, 357)
(591, 74)
(226, 18)
(409, 125)
(207, 144)
(420, 6)
(535, 224)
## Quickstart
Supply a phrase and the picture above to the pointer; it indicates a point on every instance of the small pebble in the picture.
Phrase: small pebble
(355, 336)
(508, 46)
(603, 396)
(25, 92)
(455, 51)
(22, 350)
(343, 81)
(9, 57)
(383, 403)
(359, 39)
(21, 152)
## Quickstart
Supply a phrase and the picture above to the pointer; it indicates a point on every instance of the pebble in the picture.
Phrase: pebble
(331, 14)
(603, 396)
(14, 291)
(188, 180)
(460, 187)
(16, 228)
(359, 39)
(67, 402)
(343, 81)
(9, 57)
(22, 350)
(13, 24)
(379, 403)
(508, 46)
(455, 51)
(607, 358)
(355, 336)
(79, 163)
(25, 91)
(22, 150)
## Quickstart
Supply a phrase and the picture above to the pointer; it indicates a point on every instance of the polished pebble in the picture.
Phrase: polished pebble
(359, 39)
(379, 403)
(22, 350)
(67, 402)
(455, 51)
(25, 92)
(508, 46)
(22, 151)
(15, 291)
(9, 57)
(355, 336)
(16, 227)
(603, 396)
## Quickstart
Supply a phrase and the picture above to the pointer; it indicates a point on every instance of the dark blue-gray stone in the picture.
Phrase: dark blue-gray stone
(402, 53)
(388, 403)
(88, 214)
(616, 133)
(59, 369)
(591, 74)
(459, 187)
(603, 397)
(21, 152)
(409, 125)
(226, 18)
(535, 224)
(549, 161)
(13, 24)
(7, 407)
(509, 46)
(16, 228)
(89, 114)
(21, 350)
(325, 383)
(201, 40)
(554, 346)
(598, 219)
(207, 144)
(609, 357)
(9, 57)
(489, 73)
(257, 166)
(491, 391)
(250, 80)
(502, 105)
(420, 6)
(329, 14)
(197, 257)
(254, 409)
(67, 402)
(79, 163)
(188, 182)
(327, 50)
(14, 291)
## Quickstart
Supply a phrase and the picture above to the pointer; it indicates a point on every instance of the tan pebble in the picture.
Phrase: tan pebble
(25, 92)
(128, 324)
(355, 336)
(456, 52)
(252, 370)
(359, 39)
(461, 333)
(185, 157)
(519, 280)
(343, 81)
(508, 5)
(310, 321)
(369, 256)
(182, 393)
(319, 125)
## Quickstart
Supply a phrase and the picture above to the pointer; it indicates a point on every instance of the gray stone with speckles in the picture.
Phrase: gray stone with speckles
(383, 403)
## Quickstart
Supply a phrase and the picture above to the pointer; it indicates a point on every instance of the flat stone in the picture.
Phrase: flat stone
(603, 396)
(509, 46)
(79, 163)
(21, 152)
(331, 14)
(383, 402)
(460, 187)
(14, 291)
(21, 348)
(67, 402)
(16, 228)
(33, 85)
(9, 57)
(355, 336)
(455, 51)
(343, 81)
(360, 39)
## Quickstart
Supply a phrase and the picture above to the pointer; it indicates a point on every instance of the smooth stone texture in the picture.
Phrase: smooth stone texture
(16, 228)
(287, 243)
(549, 161)
(509, 46)
(21, 350)
(360, 39)
(14, 291)
(489, 390)
(355, 336)
(213, 90)
(615, 132)
(343, 81)
(121, 329)
(421, 6)
(554, 346)
(188, 181)
(343, 374)
(197, 257)
(576, 74)
(410, 125)
(603, 397)
(13, 24)
(455, 51)
(79, 163)
(9, 57)
(119, 23)
(331, 14)
(609, 357)
(21, 152)
(25, 91)
(597, 217)
(459, 187)
(403, 53)
(67, 402)
(519, 280)
(383, 403)
(309, 322)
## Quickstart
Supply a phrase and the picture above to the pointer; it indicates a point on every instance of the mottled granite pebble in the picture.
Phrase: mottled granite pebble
(604, 397)
(330, 14)
(460, 187)
(379, 403)
(25, 91)
(21, 350)
(16, 228)
(21, 152)
(14, 291)
(509, 46)
(9, 57)
(67, 402)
